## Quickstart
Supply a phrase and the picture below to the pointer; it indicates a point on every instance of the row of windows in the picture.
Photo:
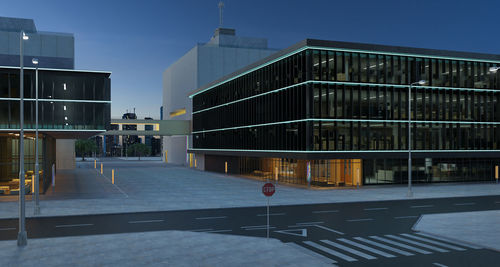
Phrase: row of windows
(390, 103)
(335, 136)
(352, 136)
(56, 115)
(350, 67)
(75, 86)
(353, 102)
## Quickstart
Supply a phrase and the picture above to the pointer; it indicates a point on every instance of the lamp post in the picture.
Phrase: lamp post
(22, 237)
(37, 166)
(421, 82)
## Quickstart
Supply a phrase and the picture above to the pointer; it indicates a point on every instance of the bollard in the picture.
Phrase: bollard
(101, 168)
(95, 164)
(32, 184)
(496, 173)
(225, 168)
(195, 162)
(166, 154)
(276, 174)
(113, 176)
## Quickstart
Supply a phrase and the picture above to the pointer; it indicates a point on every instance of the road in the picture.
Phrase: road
(347, 234)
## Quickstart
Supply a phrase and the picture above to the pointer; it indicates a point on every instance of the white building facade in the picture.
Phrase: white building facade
(204, 63)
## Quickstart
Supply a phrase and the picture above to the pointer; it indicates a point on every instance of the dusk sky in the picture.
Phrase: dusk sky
(138, 40)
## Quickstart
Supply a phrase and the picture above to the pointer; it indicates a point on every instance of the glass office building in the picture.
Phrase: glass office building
(72, 104)
(336, 113)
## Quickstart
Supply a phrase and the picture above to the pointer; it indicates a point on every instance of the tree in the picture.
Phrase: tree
(84, 146)
(139, 150)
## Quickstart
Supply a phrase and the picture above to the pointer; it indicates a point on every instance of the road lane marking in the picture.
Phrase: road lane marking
(218, 231)
(272, 214)
(211, 218)
(367, 248)
(7, 229)
(146, 221)
(200, 230)
(449, 240)
(350, 250)
(421, 206)
(380, 245)
(418, 243)
(325, 211)
(368, 209)
(400, 245)
(312, 253)
(254, 226)
(406, 217)
(434, 242)
(302, 223)
(330, 251)
(439, 264)
(261, 228)
(360, 220)
(329, 229)
(74, 225)
(465, 204)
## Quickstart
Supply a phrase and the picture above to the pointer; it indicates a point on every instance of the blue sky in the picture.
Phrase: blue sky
(138, 40)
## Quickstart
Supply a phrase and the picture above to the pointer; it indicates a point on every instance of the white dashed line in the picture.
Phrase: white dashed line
(147, 221)
(211, 218)
(465, 204)
(368, 209)
(253, 226)
(406, 217)
(360, 220)
(74, 225)
(7, 229)
(272, 214)
(421, 206)
(439, 264)
(303, 223)
(325, 211)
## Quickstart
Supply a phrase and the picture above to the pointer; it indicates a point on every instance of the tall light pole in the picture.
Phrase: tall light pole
(37, 166)
(421, 82)
(22, 237)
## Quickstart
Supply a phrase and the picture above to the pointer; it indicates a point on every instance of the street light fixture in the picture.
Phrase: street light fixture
(37, 166)
(421, 82)
(494, 69)
(22, 237)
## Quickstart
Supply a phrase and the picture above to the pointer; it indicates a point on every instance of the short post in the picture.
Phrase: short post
(195, 162)
(101, 168)
(496, 173)
(166, 158)
(113, 176)
(95, 164)
(308, 174)
(225, 167)
(32, 184)
(53, 175)
(276, 174)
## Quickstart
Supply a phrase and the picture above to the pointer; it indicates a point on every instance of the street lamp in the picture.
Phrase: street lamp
(22, 237)
(494, 69)
(37, 166)
(421, 82)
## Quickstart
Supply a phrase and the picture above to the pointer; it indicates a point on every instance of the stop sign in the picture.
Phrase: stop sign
(268, 189)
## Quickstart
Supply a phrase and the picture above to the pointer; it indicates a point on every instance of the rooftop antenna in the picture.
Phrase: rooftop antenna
(221, 6)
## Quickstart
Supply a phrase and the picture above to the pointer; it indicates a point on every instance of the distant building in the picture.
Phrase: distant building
(223, 54)
(54, 50)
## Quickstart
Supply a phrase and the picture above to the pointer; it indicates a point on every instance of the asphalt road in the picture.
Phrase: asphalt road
(348, 234)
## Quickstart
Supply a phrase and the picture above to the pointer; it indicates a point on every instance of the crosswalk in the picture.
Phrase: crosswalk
(386, 246)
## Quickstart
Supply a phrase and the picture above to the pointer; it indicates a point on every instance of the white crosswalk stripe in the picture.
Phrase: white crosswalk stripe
(418, 243)
(450, 241)
(367, 248)
(400, 245)
(350, 250)
(434, 242)
(380, 245)
(330, 251)
(358, 248)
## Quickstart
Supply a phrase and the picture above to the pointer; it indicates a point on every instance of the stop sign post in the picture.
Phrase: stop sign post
(268, 190)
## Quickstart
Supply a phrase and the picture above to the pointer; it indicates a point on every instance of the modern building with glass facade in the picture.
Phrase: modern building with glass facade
(72, 104)
(336, 113)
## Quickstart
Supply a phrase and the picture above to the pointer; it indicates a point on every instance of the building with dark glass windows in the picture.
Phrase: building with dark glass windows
(338, 113)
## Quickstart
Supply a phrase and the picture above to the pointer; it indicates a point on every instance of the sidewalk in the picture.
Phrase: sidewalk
(165, 248)
(152, 186)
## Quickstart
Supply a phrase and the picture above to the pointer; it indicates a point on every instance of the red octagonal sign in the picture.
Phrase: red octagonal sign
(268, 189)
